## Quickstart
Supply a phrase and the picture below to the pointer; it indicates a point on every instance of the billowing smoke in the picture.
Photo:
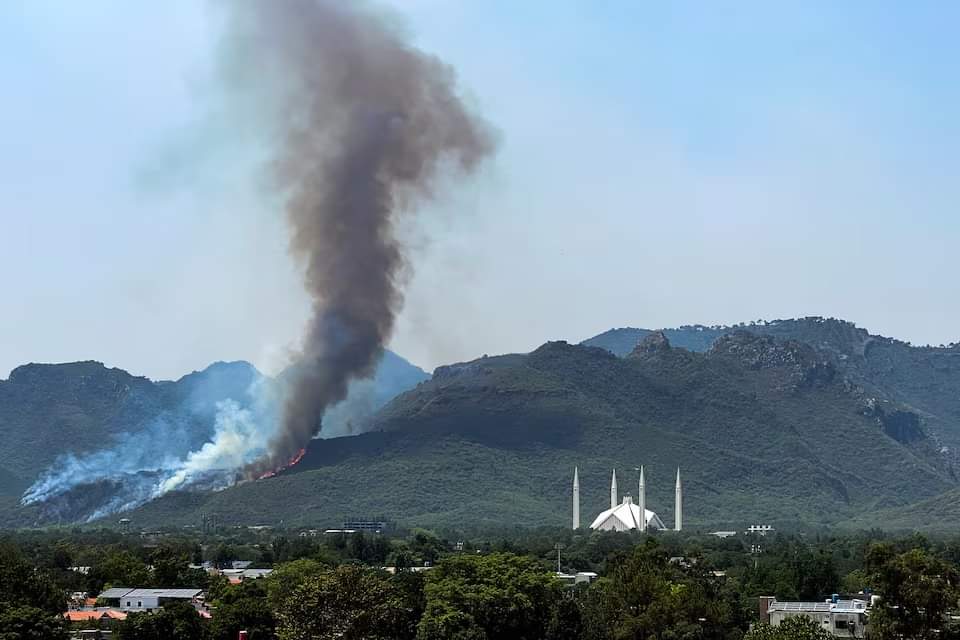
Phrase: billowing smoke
(363, 127)
(202, 441)
(367, 125)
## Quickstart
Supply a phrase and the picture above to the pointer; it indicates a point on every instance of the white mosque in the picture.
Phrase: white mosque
(626, 515)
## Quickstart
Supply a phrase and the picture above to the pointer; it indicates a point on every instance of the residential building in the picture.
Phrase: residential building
(841, 618)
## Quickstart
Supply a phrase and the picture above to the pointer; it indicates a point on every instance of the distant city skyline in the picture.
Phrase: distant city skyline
(659, 165)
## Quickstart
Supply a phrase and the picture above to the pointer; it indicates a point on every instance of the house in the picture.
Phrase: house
(840, 618)
(94, 615)
(112, 596)
(147, 599)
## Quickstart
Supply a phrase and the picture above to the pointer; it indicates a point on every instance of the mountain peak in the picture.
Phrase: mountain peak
(232, 368)
(652, 343)
(36, 373)
(805, 366)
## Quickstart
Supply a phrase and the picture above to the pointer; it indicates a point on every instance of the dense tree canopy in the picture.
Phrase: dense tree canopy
(351, 602)
(32, 603)
(501, 585)
(917, 591)
(176, 620)
(797, 628)
(650, 595)
(497, 596)
(243, 607)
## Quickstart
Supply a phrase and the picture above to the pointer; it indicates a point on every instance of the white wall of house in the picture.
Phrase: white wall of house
(146, 603)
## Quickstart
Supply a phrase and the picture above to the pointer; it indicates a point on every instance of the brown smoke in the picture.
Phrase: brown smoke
(368, 125)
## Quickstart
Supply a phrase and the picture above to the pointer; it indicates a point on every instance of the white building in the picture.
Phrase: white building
(840, 618)
(573, 579)
(759, 529)
(148, 599)
(626, 517)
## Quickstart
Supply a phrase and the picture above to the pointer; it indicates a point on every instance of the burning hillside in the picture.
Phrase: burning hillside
(290, 463)
(361, 128)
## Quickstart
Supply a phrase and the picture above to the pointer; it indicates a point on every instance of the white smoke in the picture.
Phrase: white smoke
(205, 442)
(238, 440)
(154, 461)
(133, 454)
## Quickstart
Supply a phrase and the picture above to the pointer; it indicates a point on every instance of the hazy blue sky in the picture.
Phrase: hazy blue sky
(661, 163)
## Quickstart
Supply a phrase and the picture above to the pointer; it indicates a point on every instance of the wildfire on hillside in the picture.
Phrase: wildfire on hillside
(293, 461)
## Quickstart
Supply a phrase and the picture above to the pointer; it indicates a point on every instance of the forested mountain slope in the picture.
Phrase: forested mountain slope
(763, 429)
(924, 378)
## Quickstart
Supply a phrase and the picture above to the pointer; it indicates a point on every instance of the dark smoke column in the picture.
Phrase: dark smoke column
(368, 124)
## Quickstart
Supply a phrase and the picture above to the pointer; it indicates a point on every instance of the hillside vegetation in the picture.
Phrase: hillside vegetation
(764, 429)
(925, 379)
(49, 411)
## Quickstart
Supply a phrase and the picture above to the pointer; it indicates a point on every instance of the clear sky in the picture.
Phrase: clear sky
(661, 163)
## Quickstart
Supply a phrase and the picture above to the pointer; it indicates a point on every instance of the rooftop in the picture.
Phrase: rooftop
(126, 592)
(841, 606)
(98, 614)
(806, 607)
(163, 593)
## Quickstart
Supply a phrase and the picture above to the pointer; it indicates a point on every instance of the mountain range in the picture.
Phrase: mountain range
(812, 421)
(109, 425)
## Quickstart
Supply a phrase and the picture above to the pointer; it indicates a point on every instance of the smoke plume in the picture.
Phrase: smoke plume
(367, 125)
(362, 129)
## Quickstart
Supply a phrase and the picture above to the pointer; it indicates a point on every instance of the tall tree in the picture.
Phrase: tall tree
(243, 607)
(497, 596)
(32, 605)
(348, 603)
(646, 595)
(916, 591)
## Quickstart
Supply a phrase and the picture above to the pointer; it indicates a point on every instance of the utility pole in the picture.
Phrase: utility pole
(559, 547)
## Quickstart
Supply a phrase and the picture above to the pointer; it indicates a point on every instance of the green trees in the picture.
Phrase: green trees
(32, 605)
(567, 621)
(171, 569)
(648, 596)
(176, 620)
(916, 590)
(347, 603)
(119, 569)
(224, 556)
(287, 577)
(659, 587)
(797, 628)
(497, 596)
(795, 573)
(644, 596)
(23, 622)
(243, 607)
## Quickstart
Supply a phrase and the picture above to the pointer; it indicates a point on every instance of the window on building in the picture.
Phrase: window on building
(139, 604)
(840, 624)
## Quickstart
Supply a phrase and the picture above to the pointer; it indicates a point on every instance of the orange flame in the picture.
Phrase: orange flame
(294, 460)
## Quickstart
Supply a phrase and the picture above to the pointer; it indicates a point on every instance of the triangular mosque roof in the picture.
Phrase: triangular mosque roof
(625, 516)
